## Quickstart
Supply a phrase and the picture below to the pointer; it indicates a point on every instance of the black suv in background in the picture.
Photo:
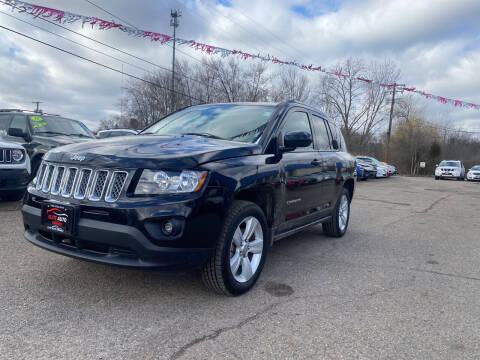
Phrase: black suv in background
(38, 133)
(210, 186)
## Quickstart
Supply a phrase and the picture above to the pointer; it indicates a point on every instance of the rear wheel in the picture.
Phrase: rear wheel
(337, 227)
(241, 251)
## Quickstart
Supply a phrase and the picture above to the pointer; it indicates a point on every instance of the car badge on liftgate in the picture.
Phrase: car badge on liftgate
(77, 157)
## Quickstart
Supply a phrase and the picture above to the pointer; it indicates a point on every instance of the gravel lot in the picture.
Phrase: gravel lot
(403, 283)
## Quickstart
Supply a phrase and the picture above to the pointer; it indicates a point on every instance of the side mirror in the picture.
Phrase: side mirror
(335, 144)
(436, 165)
(15, 132)
(296, 139)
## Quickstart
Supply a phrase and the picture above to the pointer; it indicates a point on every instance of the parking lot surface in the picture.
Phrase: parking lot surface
(404, 282)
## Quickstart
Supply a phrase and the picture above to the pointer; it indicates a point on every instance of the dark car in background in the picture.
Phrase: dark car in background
(39, 133)
(210, 186)
(103, 134)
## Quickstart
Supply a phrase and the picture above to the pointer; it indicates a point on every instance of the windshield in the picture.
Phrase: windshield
(235, 122)
(476, 168)
(450, 163)
(55, 125)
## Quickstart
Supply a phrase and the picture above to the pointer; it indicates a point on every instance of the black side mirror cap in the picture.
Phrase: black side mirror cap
(335, 145)
(18, 133)
(296, 139)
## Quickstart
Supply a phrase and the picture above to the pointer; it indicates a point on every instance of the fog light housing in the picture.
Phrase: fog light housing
(167, 228)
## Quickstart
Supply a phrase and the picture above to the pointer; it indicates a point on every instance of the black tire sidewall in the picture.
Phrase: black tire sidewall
(232, 285)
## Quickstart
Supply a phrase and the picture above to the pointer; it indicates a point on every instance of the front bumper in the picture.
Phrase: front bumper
(448, 175)
(14, 179)
(128, 234)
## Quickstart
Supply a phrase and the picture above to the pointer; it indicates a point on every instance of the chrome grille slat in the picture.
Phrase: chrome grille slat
(40, 174)
(5, 156)
(117, 182)
(82, 184)
(70, 179)
(48, 178)
(57, 180)
(98, 185)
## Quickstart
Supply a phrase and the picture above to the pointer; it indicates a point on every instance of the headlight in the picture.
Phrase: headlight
(17, 155)
(170, 182)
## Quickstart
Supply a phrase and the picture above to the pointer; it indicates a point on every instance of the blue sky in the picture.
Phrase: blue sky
(311, 9)
(436, 43)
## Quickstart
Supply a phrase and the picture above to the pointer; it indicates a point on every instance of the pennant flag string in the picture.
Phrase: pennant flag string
(67, 17)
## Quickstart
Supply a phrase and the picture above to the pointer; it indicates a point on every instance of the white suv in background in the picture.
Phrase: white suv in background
(14, 170)
(452, 169)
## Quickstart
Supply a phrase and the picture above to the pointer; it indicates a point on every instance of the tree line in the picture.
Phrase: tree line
(359, 108)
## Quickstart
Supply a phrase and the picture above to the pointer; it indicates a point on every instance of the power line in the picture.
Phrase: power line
(256, 35)
(110, 47)
(76, 43)
(106, 11)
(117, 17)
(97, 63)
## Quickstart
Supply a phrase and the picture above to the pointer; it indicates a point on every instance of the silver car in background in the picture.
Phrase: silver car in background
(474, 173)
(450, 169)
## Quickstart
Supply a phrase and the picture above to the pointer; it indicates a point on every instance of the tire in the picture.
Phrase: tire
(333, 227)
(14, 195)
(437, 178)
(459, 178)
(218, 274)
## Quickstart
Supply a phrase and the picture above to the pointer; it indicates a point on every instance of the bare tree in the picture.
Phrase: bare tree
(343, 96)
(290, 84)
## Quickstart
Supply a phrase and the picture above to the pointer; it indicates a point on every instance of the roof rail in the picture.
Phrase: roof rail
(10, 110)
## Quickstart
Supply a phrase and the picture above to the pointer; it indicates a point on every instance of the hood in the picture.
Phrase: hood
(6, 144)
(150, 151)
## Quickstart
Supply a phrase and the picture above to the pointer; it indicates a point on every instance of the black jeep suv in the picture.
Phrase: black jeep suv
(210, 186)
(38, 132)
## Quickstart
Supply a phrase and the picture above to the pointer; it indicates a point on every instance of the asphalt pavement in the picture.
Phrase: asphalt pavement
(403, 283)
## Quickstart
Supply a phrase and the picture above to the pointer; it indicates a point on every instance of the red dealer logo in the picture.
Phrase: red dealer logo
(57, 216)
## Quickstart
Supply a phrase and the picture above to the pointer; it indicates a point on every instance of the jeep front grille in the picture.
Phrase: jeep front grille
(5, 156)
(81, 183)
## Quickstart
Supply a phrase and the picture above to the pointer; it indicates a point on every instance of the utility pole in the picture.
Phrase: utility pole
(174, 14)
(37, 110)
(389, 132)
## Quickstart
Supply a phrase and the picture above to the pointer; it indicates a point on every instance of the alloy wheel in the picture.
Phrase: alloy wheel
(246, 249)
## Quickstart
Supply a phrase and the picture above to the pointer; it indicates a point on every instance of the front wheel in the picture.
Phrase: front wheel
(437, 178)
(241, 250)
(337, 227)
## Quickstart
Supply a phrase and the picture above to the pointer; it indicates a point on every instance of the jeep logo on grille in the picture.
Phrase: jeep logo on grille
(77, 157)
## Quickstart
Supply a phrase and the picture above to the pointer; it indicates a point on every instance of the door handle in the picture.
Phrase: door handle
(316, 162)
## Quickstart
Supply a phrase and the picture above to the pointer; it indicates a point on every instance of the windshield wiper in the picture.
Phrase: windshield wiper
(204, 134)
(81, 135)
(49, 132)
